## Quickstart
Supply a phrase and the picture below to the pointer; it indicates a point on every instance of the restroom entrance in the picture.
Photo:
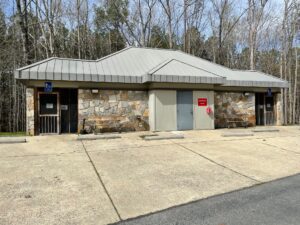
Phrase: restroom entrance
(58, 111)
(68, 110)
(48, 118)
(184, 110)
(264, 109)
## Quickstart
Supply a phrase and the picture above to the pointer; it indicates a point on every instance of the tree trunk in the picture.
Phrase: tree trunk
(295, 85)
(23, 22)
(78, 29)
(185, 47)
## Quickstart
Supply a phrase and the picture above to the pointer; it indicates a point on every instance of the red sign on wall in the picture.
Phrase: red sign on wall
(202, 101)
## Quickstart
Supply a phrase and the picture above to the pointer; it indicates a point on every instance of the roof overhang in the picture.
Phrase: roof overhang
(155, 68)
(148, 78)
(279, 84)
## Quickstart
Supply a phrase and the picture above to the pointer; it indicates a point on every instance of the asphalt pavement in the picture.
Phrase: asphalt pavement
(272, 203)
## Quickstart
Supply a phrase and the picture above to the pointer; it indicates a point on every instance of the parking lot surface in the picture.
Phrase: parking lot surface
(60, 180)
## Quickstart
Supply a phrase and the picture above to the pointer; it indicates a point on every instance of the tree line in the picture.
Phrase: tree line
(240, 34)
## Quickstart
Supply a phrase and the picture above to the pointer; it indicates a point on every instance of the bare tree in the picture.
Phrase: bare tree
(255, 15)
(78, 5)
(283, 56)
(22, 11)
(296, 38)
(49, 13)
(167, 6)
(145, 14)
(36, 29)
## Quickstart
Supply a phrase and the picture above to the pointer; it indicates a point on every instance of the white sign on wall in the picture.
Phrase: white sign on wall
(64, 107)
(49, 105)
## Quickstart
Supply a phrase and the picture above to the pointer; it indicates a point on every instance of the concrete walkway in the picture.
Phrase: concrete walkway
(60, 180)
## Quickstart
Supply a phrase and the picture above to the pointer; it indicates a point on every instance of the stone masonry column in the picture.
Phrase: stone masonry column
(29, 111)
(278, 108)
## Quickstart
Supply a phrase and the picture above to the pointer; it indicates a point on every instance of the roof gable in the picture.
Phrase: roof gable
(174, 70)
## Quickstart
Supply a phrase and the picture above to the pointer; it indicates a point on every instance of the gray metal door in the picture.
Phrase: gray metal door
(184, 110)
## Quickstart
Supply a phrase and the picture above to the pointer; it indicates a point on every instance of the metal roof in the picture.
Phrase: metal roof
(141, 65)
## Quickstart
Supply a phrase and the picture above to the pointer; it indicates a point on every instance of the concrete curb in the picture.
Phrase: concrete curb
(237, 134)
(97, 137)
(12, 140)
(265, 130)
(163, 137)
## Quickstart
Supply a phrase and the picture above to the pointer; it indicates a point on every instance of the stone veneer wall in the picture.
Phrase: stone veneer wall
(234, 104)
(30, 111)
(113, 110)
(278, 109)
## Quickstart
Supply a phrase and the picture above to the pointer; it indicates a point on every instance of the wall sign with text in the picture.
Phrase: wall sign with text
(202, 101)
(49, 105)
(64, 107)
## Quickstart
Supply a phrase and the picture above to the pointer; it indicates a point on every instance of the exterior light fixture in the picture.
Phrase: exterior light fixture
(95, 91)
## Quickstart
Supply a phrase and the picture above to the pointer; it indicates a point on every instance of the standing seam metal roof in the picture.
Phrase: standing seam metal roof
(140, 65)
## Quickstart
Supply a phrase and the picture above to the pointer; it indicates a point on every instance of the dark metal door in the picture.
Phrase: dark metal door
(269, 110)
(184, 110)
(68, 110)
(260, 108)
(48, 113)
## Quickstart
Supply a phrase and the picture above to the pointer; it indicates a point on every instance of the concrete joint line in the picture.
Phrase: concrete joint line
(280, 148)
(224, 140)
(214, 162)
(39, 155)
(101, 182)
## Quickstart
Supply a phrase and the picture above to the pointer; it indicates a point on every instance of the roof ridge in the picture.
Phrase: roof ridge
(112, 54)
(231, 68)
(258, 71)
(150, 48)
(199, 68)
(206, 60)
(270, 75)
(71, 59)
(173, 59)
(35, 64)
(159, 66)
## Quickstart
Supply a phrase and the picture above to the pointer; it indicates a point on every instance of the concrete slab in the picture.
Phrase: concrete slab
(42, 145)
(287, 143)
(12, 140)
(50, 180)
(216, 135)
(129, 140)
(268, 204)
(51, 189)
(147, 179)
(250, 157)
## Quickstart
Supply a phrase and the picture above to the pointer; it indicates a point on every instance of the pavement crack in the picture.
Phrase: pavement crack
(102, 183)
(219, 164)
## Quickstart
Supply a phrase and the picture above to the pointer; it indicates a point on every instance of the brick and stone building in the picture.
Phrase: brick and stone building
(139, 89)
